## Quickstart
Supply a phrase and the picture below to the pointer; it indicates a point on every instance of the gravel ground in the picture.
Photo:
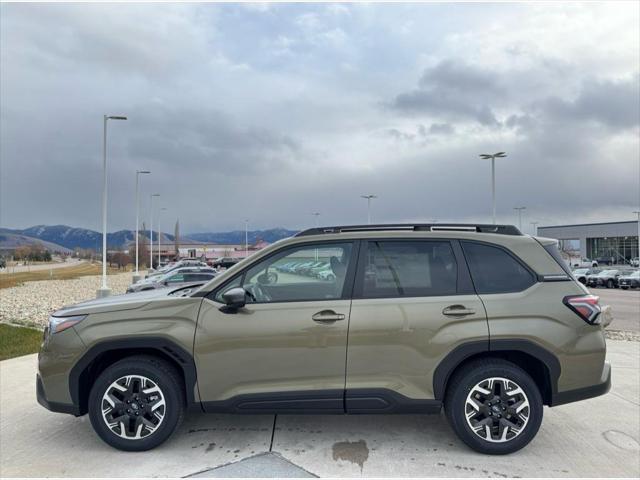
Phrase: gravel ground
(31, 303)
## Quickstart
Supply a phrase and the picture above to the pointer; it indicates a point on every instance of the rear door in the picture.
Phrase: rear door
(413, 303)
(286, 349)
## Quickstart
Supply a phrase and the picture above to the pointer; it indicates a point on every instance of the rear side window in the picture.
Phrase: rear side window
(554, 251)
(409, 269)
(493, 270)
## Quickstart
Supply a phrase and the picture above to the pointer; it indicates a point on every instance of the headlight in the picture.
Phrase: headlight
(58, 324)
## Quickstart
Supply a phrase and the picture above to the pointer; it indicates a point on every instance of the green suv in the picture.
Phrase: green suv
(479, 319)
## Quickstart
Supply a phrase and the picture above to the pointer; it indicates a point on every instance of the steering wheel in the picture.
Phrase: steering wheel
(256, 293)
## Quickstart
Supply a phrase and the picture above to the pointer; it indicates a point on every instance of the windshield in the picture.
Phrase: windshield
(635, 274)
(580, 271)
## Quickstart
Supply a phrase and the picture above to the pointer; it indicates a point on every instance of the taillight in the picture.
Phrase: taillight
(585, 306)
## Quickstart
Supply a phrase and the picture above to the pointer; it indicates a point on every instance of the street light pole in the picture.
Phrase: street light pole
(638, 214)
(316, 214)
(535, 227)
(104, 291)
(369, 198)
(136, 275)
(151, 232)
(159, 234)
(520, 209)
(246, 237)
(493, 157)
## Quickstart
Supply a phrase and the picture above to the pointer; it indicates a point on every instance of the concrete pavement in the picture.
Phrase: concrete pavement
(597, 437)
(41, 266)
(625, 306)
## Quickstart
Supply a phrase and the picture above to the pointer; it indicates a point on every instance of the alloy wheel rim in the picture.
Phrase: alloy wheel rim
(497, 409)
(133, 407)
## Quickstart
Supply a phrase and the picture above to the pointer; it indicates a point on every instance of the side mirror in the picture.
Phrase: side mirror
(235, 298)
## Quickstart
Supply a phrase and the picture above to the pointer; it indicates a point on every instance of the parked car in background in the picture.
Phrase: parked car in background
(175, 265)
(606, 278)
(635, 262)
(631, 280)
(584, 263)
(225, 262)
(606, 260)
(581, 274)
(175, 278)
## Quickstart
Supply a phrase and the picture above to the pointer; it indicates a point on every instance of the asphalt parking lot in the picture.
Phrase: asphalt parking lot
(625, 306)
(588, 439)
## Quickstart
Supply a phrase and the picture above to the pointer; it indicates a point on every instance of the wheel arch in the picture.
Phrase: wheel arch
(537, 361)
(103, 354)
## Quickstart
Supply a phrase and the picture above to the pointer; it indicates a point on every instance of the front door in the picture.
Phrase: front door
(413, 303)
(286, 349)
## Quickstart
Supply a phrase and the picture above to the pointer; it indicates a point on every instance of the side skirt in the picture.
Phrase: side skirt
(351, 401)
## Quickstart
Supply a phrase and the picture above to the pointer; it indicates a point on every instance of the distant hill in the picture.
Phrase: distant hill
(10, 241)
(237, 236)
(71, 238)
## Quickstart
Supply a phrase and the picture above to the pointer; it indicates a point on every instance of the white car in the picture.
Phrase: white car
(584, 263)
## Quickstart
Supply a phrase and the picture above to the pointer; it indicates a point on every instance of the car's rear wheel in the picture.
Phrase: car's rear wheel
(494, 406)
(137, 403)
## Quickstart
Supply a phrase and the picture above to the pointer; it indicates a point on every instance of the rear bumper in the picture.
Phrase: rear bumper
(601, 388)
(53, 406)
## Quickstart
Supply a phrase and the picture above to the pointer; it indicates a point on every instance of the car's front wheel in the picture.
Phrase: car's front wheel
(137, 403)
(494, 406)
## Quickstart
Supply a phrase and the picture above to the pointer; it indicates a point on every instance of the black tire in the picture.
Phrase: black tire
(582, 281)
(165, 377)
(462, 383)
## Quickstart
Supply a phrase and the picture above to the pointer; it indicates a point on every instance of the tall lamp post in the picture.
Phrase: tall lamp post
(493, 157)
(638, 214)
(520, 209)
(246, 237)
(316, 215)
(104, 291)
(535, 227)
(159, 233)
(369, 198)
(151, 231)
(136, 275)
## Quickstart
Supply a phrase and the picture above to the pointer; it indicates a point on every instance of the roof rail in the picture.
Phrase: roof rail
(415, 227)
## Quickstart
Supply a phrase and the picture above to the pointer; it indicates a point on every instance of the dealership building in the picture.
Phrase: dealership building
(617, 241)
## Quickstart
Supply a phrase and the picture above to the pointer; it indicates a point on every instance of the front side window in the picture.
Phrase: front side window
(493, 270)
(409, 269)
(305, 273)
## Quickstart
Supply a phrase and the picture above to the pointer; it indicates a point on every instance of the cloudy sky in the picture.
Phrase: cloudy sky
(272, 112)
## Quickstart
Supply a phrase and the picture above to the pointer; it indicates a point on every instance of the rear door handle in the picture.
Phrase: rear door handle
(457, 311)
(327, 316)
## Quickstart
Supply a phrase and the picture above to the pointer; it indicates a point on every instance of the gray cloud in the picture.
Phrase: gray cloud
(613, 103)
(271, 114)
(453, 90)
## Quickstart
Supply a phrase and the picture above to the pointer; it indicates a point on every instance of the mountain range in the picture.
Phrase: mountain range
(71, 238)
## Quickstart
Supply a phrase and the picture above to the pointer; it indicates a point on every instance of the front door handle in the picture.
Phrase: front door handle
(327, 316)
(457, 311)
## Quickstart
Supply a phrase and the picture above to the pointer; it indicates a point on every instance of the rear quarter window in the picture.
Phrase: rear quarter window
(494, 270)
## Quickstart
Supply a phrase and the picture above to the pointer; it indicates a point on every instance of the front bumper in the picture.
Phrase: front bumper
(53, 406)
(560, 398)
